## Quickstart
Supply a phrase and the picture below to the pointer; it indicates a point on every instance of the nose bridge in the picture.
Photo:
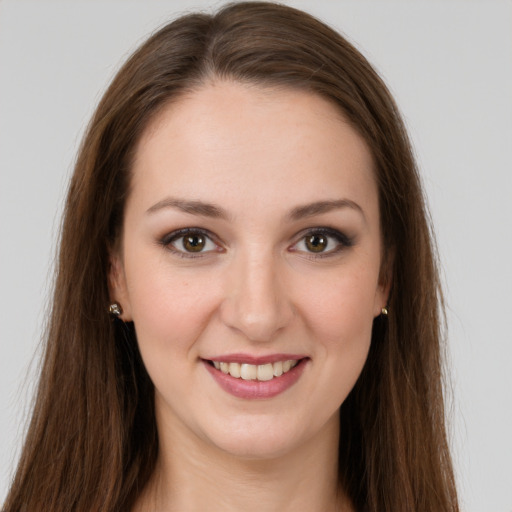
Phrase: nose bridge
(256, 303)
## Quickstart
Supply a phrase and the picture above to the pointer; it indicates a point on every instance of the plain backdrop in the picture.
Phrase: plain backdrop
(449, 65)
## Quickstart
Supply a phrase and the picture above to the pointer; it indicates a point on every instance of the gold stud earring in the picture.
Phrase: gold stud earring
(115, 309)
(384, 311)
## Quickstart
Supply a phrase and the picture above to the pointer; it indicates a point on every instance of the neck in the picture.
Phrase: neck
(194, 475)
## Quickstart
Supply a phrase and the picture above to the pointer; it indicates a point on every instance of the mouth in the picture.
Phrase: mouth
(261, 378)
(260, 372)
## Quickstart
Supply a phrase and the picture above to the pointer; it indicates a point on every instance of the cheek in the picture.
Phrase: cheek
(341, 307)
(169, 309)
(339, 316)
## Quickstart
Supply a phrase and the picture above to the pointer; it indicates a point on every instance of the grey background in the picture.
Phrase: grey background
(449, 64)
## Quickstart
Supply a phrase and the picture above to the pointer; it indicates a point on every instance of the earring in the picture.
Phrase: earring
(384, 311)
(115, 309)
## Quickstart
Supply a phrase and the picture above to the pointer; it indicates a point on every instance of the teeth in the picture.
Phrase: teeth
(265, 372)
(261, 372)
(234, 370)
(248, 371)
(278, 368)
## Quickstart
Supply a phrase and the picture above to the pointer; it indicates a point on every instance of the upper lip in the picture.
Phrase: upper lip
(256, 360)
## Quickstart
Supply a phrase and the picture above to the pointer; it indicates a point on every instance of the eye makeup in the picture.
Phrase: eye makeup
(321, 242)
(314, 243)
(190, 243)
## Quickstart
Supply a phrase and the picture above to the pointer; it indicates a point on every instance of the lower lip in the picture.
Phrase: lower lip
(255, 389)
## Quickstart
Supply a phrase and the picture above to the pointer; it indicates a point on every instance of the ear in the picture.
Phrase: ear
(117, 287)
(385, 281)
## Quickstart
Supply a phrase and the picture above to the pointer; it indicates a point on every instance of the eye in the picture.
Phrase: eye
(317, 242)
(322, 242)
(189, 242)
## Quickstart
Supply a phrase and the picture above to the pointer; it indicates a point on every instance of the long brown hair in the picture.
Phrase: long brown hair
(92, 442)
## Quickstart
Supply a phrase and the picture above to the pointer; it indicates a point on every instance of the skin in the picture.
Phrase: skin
(256, 288)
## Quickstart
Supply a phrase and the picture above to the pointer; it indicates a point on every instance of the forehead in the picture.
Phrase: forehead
(245, 144)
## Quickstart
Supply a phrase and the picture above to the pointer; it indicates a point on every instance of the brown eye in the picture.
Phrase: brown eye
(316, 243)
(322, 242)
(194, 243)
(189, 243)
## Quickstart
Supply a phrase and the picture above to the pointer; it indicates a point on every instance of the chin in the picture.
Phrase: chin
(255, 439)
(259, 449)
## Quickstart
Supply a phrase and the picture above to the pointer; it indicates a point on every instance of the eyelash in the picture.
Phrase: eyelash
(342, 240)
(168, 240)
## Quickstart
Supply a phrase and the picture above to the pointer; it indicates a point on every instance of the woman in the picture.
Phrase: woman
(246, 206)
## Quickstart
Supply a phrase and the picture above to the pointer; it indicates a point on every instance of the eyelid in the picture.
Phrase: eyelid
(167, 240)
(341, 238)
(343, 241)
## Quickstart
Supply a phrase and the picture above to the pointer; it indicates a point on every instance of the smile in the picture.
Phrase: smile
(260, 372)
(258, 379)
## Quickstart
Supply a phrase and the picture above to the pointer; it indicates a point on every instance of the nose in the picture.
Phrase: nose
(256, 302)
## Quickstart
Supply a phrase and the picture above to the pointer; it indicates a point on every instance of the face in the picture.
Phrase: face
(249, 263)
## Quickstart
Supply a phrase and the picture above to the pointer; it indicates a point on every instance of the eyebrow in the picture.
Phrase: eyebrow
(319, 207)
(203, 209)
(193, 207)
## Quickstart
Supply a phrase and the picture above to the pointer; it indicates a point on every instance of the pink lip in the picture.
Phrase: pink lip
(254, 389)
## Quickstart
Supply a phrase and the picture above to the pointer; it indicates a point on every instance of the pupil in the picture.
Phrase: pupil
(316, 243)
(193, 243)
